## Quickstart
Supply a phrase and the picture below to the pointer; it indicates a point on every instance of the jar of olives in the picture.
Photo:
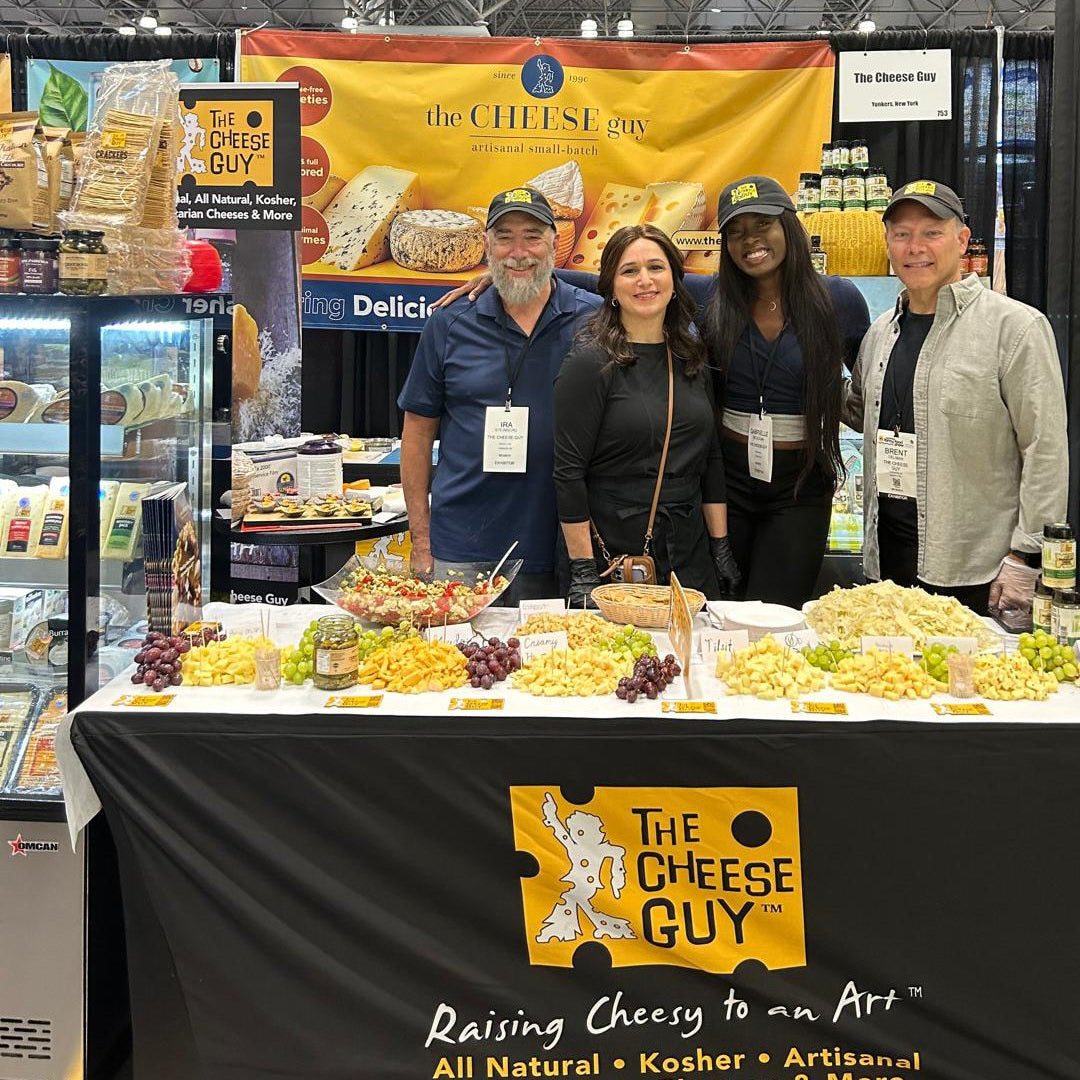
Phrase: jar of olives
(84, 263)
(337, 659)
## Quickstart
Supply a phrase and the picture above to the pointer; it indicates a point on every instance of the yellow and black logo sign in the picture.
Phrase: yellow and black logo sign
(691, 877)
(921, 187)
(744, 192)
(224, 143)
(518, 195)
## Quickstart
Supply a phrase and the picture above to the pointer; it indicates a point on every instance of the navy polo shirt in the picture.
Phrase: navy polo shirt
(458, 371)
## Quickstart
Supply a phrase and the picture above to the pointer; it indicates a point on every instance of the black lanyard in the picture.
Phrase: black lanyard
(761, 377)
(513, 373)
(900, 402)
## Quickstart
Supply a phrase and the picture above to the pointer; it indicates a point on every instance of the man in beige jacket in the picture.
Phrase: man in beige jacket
(959, 394)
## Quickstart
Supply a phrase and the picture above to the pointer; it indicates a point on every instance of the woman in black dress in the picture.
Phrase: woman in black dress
(611, 405)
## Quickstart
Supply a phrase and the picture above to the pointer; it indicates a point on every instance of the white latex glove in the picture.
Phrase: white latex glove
(1014, 586)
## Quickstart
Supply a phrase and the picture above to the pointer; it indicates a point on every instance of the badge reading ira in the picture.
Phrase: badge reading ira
(691, 877)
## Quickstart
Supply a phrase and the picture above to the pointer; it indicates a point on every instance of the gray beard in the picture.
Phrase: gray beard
(516, 291)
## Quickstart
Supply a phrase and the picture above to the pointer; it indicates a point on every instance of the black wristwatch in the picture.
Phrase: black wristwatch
(1030, 558)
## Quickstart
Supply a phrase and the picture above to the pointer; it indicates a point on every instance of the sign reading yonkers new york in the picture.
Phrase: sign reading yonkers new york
(406, 140)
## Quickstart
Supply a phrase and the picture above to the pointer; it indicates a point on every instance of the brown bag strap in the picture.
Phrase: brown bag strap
(664, 452)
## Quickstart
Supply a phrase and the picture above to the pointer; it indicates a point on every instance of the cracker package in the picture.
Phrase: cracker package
(159, 211)
(18, 170)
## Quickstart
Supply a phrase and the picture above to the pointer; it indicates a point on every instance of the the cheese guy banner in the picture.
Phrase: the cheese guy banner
(405, 141)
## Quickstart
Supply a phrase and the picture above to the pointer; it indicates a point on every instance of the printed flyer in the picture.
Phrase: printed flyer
(405, 141)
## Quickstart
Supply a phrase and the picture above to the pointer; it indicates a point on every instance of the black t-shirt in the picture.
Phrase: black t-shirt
(609, 428)
(898, 521)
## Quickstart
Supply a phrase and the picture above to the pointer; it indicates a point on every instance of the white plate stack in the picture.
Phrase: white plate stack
(756, 617)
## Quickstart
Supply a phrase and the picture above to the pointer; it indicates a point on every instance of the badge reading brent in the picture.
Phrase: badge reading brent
(691, 877)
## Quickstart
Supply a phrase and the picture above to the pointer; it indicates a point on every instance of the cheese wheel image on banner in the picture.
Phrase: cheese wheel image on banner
(563, 188)
(442, 241)
(679, 205)
(246, 356)
(360, 217)
(617, 206)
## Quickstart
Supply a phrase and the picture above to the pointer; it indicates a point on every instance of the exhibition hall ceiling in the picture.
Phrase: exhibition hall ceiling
(528, 18)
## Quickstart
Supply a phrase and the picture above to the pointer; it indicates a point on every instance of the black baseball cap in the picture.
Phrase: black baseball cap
(940, 200)
(525, 201)
(752, 195)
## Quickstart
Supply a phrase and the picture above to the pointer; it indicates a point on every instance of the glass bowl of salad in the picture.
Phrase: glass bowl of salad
(373, 592)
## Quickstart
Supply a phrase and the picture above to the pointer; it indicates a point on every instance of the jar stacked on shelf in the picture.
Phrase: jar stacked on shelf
(75, 263)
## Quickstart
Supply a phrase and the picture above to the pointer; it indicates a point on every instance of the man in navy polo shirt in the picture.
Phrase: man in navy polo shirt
(481, 382)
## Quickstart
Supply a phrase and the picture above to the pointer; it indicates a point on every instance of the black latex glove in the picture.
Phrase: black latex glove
(583, 579)
(727, 569)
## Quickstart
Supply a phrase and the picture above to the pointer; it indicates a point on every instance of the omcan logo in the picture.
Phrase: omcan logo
(22, 847)
(691, 877)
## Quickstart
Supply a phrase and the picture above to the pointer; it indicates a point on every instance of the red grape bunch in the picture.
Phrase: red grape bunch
(650, 677)
(159, 660)
(490, 662)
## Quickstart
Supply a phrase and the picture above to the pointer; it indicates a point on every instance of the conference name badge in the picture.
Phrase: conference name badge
(506, 439)
(759, 448)
(896, 455)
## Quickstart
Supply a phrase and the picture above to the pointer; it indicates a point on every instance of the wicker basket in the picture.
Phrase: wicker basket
(854, 241)
(642, 605)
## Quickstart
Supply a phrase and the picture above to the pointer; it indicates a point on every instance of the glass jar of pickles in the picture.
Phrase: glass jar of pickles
(337, 657)
(84, 263)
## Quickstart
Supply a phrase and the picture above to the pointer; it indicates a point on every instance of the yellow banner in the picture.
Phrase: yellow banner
(406, 140)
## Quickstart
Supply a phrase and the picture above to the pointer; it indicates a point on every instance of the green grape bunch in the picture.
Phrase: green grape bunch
(935, 663)
(629, 641)
(1044, 653)
(826, 657)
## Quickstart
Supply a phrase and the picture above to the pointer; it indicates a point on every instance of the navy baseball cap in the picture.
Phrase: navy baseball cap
(525, 201)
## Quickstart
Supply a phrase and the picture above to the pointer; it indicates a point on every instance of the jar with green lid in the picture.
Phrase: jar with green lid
(860, 154)
(337, 656)
(811, 193)
(841, 153)
(84, 263)
(1059, 556)
(1042, 605)
(832, 190)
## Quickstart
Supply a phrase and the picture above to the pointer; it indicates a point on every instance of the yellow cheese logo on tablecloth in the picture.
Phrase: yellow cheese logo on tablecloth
(690, 877)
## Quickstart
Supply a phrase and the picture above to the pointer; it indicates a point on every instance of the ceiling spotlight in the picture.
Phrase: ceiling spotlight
(148, 21)
(867, 26)
(162, 31)
(625, 27)
(588, 27)
(350, 22)
(127, 31)
(716, 10)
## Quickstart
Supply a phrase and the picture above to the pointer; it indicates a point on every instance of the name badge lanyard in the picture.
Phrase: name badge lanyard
(900, 400)
(514, 370)
(761, 375)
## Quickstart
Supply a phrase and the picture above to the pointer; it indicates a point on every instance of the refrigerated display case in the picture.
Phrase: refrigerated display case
(100, 398)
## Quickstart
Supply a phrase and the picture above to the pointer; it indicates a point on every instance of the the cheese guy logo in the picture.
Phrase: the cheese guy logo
(693, 877)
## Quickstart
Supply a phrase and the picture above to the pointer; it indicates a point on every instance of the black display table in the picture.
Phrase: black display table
(470, 896)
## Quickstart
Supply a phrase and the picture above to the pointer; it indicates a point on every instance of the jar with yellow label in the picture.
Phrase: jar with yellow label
(84, 263)
(337, 657)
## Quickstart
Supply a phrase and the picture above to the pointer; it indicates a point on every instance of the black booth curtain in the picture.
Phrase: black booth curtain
(1027, 101)
(959, 152)
(104, 48)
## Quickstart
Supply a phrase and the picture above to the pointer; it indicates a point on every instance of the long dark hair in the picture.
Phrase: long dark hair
(605, 328)
(811, 317)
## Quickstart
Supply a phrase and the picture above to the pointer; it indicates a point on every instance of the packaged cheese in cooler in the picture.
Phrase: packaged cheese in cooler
(440, 241)
(107, 490)
(360, 217)
(53, 536)
(16, 707)
(38, 772)
(24, 525)
(18, 401)
(123, 534)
